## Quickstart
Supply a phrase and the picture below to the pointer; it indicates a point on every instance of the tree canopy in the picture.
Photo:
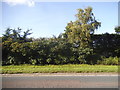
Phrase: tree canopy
(80, 31)
(16, 36)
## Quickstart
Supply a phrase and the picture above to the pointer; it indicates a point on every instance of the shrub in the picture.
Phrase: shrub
(109, 61)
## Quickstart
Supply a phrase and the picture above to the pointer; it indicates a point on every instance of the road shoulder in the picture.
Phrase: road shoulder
(61, 74)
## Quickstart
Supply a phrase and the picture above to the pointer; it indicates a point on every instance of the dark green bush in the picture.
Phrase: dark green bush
(58, 50)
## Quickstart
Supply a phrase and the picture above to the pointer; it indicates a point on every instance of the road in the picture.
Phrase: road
(60, 81)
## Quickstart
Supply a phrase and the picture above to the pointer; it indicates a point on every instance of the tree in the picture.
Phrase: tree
(117, 29)
(79, 31)
(15, 35)
(12, 43)
(79, 34)
(7, 34)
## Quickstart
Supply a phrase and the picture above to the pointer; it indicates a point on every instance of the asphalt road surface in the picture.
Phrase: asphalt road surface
(61, 81)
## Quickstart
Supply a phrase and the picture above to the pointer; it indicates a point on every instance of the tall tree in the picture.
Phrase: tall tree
(79, 31)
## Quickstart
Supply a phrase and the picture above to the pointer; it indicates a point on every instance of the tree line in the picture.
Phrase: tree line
(77, 45)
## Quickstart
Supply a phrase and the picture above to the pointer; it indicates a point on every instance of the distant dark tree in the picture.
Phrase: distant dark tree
(117, 29)
(15, 35)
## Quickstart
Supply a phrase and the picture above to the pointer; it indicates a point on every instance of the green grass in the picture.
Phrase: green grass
(76, 68)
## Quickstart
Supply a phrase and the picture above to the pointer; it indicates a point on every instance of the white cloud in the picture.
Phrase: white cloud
(29, 3)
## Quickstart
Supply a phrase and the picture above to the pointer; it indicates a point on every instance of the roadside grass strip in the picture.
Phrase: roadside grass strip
(69, 68)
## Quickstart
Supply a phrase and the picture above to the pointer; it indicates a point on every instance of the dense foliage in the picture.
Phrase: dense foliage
(59, 51)
(78, 45)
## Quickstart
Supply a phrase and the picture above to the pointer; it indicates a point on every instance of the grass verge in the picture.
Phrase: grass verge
(76, 68)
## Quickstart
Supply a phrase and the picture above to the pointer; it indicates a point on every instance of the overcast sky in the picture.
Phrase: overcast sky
(50, 18)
